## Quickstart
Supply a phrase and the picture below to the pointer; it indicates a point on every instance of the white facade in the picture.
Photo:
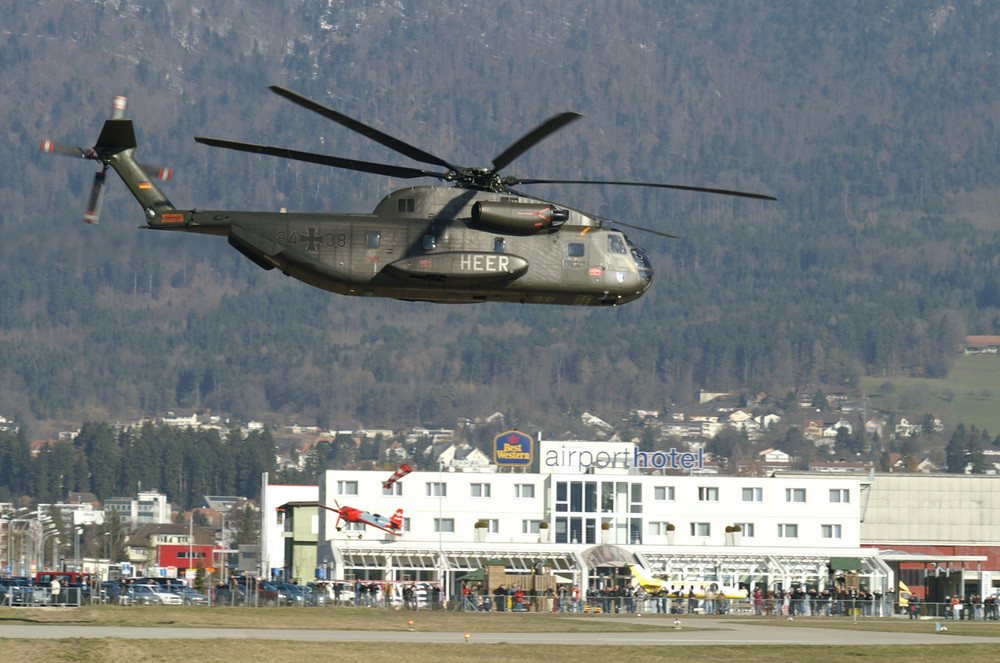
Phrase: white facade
(778, 513)
(149, 508)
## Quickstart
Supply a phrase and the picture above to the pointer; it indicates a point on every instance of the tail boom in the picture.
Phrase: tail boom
(116, 147)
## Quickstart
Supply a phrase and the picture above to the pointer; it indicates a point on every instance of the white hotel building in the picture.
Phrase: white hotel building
(590, 509)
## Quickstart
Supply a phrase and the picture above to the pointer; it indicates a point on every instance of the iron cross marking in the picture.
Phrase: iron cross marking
(314, 238)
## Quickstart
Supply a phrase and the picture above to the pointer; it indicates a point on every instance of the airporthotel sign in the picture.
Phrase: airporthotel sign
(512, 449)
(614, 457)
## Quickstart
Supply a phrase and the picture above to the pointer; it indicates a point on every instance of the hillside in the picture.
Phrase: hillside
(873, 124)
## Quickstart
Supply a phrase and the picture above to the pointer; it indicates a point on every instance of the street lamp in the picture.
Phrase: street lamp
(8, 520)
(77, 531)
(11, 523)
(47, 532)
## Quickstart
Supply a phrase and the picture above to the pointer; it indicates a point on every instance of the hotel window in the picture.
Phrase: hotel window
(658, 529)
(753, 494)
(524, 491)
(492, 525)
(748, 530)
(353, 527)
(708, 494)
(788, 531)
(347, 487)
(795, 494)
(393, 489)
(444, 525)
(437, 489)
(480, 489)
(842, 495)
(701, 529)
(831, 531)
(663, 493)
(531, 526)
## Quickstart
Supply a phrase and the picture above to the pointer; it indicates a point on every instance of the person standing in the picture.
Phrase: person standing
(500, 596)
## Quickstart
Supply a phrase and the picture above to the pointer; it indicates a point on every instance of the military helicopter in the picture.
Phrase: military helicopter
(477, 240)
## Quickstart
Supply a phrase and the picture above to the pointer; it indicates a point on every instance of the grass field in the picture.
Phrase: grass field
(242, 651)
(268, 651)
(970, 395)
(352, 619)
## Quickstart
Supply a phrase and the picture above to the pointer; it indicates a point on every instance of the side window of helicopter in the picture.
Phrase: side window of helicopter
(373, 240)
(615, 244)
(499, 245)
(430, 242)
(576, 249)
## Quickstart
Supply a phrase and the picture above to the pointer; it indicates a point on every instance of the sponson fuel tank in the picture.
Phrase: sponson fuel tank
(460, 266)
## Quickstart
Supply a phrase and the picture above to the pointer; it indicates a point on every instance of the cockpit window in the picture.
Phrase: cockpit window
(499, 245)
(373, 240)
(616, 244)
(576, 249)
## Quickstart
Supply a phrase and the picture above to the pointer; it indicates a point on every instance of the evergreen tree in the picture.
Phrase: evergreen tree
(113, 538)
(955, 452)
(248, 527)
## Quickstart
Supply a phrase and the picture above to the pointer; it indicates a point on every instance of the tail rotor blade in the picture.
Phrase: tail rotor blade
(93, 213)
(118, 107)
(162, 173)
(52, 147)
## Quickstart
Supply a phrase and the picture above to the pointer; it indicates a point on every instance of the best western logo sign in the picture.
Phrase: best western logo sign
(512, 449)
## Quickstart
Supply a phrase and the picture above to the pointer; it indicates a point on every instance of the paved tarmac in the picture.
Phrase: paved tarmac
(724, 633)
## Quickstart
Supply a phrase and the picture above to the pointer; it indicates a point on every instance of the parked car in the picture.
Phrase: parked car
(274, 594)
(14, 592)
(188, 595)
(149, 595)
(297, 595)
(112, 591)
(318, 595)
(22, 591)
(231, 594)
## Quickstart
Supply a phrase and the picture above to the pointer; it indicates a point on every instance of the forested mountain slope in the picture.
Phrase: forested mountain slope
(874, 124)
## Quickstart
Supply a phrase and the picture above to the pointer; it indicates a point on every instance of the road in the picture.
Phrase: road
(723, 633)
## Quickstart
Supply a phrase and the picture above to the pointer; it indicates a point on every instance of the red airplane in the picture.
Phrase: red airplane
(392, 525)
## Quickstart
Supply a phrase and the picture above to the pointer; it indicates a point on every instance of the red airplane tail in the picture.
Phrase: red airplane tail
(403, 470)
(397, 520)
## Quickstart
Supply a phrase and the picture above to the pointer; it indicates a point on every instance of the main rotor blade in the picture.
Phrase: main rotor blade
(349, 164)
(369, 132)
(536, 135)
(699, 189)
(643, 229)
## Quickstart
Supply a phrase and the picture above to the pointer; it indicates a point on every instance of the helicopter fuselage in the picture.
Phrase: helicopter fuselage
(440, 244)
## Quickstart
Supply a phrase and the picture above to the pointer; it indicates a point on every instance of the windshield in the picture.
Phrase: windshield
(641, 261)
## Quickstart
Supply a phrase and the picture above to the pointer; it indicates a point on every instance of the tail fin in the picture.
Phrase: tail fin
(645, 580)
(397, 520)
(116, 147)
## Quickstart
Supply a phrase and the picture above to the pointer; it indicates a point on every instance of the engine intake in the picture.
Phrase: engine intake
(517, 218)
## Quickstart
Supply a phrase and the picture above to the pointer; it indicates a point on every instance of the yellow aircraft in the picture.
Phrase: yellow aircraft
(682, 589)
